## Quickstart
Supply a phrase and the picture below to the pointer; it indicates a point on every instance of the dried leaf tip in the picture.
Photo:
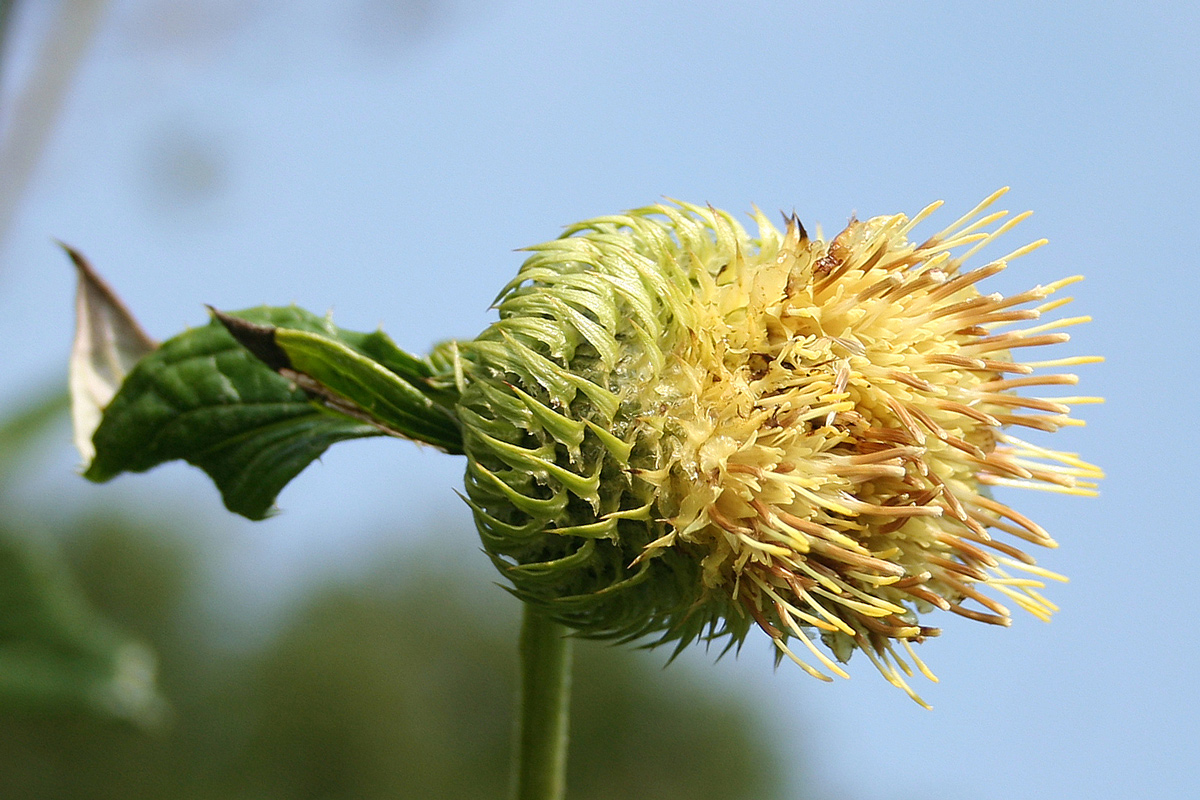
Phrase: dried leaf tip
(108, 343)
(258, 339)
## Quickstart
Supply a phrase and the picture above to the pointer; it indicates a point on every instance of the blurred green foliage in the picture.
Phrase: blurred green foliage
(395, 684)
(56, 651)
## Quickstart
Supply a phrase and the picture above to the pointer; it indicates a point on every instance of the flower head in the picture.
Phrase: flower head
(678, 429)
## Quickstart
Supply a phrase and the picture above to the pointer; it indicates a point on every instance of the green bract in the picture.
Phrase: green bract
(559, 417)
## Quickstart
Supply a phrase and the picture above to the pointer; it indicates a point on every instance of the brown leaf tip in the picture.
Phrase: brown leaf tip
(258, 339)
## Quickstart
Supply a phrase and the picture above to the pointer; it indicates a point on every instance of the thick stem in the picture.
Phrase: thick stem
(540, 755)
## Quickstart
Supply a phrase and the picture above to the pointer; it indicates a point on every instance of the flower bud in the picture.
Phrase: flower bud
(679, 430)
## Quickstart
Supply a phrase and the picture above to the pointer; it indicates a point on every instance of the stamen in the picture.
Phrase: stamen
(921, 216)
(958, 223)
(1071, 361)
(1033, 532)
(1066, 322)
(1032, 380)
(1077, 491)
(1008, 341)
(979, 616)
(1003, 229)
(955, 285)
(811, 670)
(1025, 250)
(922, 593)
(920, 664)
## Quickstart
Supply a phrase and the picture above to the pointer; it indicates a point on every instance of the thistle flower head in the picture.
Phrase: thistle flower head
(682, 430)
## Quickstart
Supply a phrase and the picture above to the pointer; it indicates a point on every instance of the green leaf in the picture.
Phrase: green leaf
(370, 387)
(364, 376)
(56, 651)
(432, 375)
(204, 398)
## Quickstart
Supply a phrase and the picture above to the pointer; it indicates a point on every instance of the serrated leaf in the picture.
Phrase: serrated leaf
(203, 398)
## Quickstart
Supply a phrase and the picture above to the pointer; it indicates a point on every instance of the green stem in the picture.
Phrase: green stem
(540, 755)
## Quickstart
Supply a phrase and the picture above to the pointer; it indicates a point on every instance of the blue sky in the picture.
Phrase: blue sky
(386, 165)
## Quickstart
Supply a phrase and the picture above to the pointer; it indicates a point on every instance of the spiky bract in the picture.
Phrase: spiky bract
(678, 429)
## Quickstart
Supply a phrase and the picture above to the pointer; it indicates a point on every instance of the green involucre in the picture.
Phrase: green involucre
(559, 414)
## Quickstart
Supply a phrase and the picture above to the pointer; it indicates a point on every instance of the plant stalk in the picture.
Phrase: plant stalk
(540, 754)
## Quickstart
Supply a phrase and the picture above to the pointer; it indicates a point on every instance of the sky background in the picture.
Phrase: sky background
(385, 159)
